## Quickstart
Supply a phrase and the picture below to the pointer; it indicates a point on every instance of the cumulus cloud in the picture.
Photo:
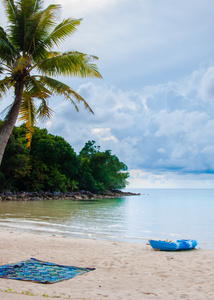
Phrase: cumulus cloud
(176, 137)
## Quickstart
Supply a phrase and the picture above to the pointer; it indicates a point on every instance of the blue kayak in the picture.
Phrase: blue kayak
(173, 245)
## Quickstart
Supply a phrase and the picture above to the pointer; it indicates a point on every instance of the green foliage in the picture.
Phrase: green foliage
(52, 165)
(16, 163)
(101, 170)
(53, 161)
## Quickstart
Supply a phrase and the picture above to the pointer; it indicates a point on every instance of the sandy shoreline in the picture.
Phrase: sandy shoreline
(123, 270)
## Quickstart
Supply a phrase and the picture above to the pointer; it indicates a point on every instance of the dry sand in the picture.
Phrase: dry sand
(123, 270)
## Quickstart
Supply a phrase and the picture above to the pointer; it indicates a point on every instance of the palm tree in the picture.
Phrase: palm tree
(28, 63)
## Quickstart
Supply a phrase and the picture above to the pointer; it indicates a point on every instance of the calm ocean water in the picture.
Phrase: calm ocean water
(156, 213)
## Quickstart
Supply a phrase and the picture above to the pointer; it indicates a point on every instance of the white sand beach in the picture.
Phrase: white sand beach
(123, 271)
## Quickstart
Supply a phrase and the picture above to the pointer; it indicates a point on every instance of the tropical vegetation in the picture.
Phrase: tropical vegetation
(29, 65)
(51, 164)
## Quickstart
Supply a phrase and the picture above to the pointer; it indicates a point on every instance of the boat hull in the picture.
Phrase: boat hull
(173, 245)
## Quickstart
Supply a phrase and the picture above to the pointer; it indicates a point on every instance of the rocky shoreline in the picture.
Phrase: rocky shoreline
(80, 195)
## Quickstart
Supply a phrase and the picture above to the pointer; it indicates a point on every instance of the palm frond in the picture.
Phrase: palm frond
(28, 115)
(28, 109)
(61, 31)
(37, 5)
(40, 24)
(59, 88)
(10, 10)
(7, 50)
(17, 28)
(5, 85)
(44, 111)
(28, 18)
(70, 63)
(28, 6)
(36, 89)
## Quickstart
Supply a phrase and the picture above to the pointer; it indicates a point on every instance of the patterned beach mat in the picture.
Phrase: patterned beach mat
(39, 271)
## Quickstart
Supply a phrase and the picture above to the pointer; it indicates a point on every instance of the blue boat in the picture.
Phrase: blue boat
(173, 245)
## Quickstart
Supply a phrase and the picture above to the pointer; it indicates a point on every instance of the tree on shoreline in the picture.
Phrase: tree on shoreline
(100, 171)
(26, 49)
(52, 165)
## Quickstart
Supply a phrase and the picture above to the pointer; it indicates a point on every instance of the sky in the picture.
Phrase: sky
(154, 106)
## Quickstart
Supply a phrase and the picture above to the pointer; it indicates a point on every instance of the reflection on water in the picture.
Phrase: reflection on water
(159, 214)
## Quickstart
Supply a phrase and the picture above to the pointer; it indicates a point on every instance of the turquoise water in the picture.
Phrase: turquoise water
(156, 213)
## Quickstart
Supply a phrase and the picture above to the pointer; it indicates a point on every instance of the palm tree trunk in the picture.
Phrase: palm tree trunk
(11, 118)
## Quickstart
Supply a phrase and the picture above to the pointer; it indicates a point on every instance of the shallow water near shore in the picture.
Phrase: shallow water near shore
(156, 213)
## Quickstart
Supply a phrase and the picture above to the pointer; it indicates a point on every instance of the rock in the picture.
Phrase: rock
(81, 195)
(90, 195)
(77, 197)
(36, 199)
(8, 194)
(109, 193)
(69, 194)
(23, 195)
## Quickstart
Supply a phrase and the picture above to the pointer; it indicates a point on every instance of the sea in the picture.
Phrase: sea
(154, 214)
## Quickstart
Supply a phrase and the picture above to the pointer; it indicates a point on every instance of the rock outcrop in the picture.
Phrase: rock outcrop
(80, 195)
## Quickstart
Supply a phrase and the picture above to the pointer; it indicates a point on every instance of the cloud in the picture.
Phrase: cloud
(161, 130)
(142, 42)
(104, 134)
(138, 179)
(206, 89)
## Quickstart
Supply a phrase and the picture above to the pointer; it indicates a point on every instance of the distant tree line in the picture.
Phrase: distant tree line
(50, 164)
